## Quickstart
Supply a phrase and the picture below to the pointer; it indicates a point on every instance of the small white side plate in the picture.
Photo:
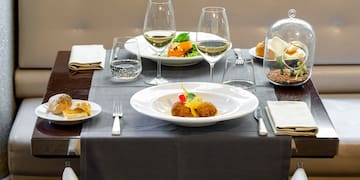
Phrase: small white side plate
(42, 112)
(252, 52)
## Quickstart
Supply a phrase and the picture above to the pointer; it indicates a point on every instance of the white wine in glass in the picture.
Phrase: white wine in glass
(159, 30)
(213, 35)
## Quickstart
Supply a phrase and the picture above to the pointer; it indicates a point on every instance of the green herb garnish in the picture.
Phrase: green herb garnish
(190, 97)
(192, 52)
(182, 37)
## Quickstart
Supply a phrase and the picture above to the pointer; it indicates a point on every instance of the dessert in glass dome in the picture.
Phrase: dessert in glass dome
(289, 51)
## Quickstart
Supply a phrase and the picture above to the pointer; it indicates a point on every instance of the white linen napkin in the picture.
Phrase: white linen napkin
(86, 57)
(69, 174)
(291, 118)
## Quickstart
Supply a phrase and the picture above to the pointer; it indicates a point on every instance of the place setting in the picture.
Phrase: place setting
(209, 44)
(191, 104)
(288, 57)
(233, 97)
(165, 96)
(194, 104)
(62, 109)
(164, 45)
(232, 102)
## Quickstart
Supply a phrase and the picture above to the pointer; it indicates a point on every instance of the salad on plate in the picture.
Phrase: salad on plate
(182, 46)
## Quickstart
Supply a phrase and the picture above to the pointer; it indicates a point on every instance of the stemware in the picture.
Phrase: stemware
(213, 35)
(159, 30)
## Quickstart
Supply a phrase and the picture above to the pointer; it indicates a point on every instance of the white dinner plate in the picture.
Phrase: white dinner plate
(231, 102)
(147, 52)
(42, 112)
(252, 52)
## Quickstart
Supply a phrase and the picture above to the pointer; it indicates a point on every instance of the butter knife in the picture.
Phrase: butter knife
(261, 125)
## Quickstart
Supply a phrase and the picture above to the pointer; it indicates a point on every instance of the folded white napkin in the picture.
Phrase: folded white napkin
(69, 174)
(86, 57)
(291, 118)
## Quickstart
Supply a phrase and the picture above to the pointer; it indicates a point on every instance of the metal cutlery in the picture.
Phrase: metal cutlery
(261, 125)
(117, 114)
(238, 55)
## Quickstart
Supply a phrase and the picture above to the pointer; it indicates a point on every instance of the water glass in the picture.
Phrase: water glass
(239, 72)
(124, 65)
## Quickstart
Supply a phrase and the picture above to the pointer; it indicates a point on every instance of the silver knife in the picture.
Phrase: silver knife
(261, 125)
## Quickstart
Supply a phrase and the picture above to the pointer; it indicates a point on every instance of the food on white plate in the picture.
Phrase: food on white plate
(260, 48)
(59, 102)
(192, 105)
(182, 47)
(294, 52)
(82, 109)
(62, 104)
(277, 47)
(291, 58)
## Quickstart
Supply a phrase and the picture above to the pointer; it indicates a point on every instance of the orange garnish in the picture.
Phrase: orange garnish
(179, 49)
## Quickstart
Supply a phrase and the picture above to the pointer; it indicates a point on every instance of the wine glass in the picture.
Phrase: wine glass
(159, 30)
(213, 36)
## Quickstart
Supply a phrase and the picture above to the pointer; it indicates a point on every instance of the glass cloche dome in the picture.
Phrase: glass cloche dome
(289, 51)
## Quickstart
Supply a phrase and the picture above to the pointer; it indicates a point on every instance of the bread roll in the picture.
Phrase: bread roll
(59, 102)
(259, 50)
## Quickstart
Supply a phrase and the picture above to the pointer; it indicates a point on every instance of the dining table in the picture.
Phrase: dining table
(157, 149)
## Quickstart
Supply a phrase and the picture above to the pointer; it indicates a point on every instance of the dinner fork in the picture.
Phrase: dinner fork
(117, 114)
(238, 55)
(246, 55)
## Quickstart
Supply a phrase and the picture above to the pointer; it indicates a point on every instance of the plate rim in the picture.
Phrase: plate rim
(252, 53)
(190, 121)
(68, 121)
(168, 61)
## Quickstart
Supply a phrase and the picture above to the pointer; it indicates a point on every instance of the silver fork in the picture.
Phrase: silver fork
(117, 114)
(238, 55)
(261, 125)
(246, 56)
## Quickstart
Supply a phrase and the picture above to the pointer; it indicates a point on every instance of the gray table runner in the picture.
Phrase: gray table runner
(153, 149)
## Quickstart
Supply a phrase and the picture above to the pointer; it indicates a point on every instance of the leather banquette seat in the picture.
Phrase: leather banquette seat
(43, 27)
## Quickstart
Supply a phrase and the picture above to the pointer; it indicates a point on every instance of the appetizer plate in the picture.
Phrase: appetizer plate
(147, 52)
(252, 52)
(231, 102)
(42, 112)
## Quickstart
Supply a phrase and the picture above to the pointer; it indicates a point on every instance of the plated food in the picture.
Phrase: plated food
(285, 61)
(259, 50)
(192, 105)
(148, 53)
(182, 46)
(59, 103)
(62, 104)
(230, 102)
(62, 109)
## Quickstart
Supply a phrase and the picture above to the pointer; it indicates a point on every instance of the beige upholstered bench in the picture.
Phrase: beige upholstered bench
(45, 27)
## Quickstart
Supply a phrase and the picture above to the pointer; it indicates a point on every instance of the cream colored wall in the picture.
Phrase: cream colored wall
(47, 26)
